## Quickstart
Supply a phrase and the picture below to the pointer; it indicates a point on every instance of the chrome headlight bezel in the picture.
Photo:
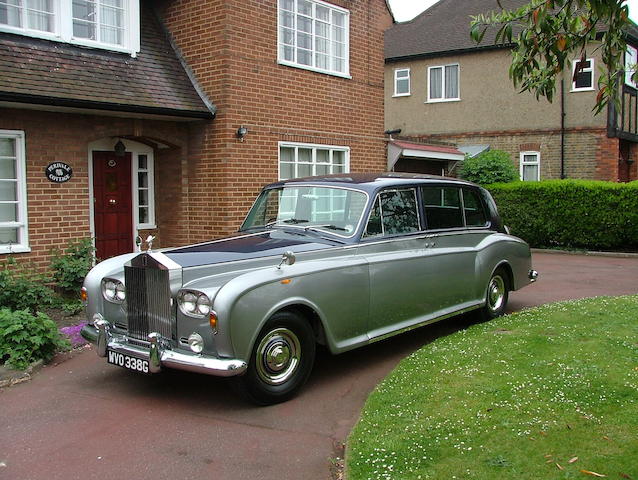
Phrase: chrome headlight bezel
(194, 303)
(113, 290)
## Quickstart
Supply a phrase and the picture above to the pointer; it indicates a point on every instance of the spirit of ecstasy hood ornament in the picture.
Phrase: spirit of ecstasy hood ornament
(149, 242)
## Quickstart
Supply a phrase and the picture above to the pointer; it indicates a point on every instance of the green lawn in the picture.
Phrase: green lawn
(546, 393)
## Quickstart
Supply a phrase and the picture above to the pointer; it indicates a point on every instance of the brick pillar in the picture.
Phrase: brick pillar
(607, 154)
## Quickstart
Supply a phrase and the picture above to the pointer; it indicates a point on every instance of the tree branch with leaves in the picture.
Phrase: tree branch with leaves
(546, 34)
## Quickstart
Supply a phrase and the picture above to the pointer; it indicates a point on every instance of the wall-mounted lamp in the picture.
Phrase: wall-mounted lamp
(396, 131)
(241, 133)
(119, 149)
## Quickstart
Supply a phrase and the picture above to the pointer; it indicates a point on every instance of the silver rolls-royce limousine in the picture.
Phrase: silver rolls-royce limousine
(341, 261)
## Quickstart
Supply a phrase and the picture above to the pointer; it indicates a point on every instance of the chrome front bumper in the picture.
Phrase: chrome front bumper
(158, 355)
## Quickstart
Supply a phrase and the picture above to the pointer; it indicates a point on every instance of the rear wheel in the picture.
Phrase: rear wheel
(281, 360)
(497, 294)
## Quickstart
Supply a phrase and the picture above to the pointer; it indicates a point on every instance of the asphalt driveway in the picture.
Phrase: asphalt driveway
(82, 419)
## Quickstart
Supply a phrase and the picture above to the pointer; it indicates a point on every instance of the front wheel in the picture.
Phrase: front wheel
(497, 295)
(281, 360)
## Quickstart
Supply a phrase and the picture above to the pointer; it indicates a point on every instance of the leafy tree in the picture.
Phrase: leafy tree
(493, 166)
(548, 33)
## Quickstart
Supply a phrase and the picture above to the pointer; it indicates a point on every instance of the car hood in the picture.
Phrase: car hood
(245, 247)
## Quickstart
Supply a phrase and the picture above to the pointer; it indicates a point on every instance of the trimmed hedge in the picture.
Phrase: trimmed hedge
(585, 214)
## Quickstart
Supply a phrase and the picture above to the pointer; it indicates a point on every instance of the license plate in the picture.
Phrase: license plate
(126, 361)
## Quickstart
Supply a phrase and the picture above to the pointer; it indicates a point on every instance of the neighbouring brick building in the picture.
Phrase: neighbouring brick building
(440, 87)
(172, 114)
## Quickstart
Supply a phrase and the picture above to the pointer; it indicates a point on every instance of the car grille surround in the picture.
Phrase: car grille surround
(148, 299)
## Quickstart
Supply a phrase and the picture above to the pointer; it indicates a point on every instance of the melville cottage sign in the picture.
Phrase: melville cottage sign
(58, 172)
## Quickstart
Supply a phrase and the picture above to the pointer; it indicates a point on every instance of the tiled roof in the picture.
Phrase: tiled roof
(444, 27)
(55, 73)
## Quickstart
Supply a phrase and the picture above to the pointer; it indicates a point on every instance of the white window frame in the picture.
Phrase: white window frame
(282, 61)
(397, 79)
(150, 170)
(22, 223)
(443, 78)
(314, 147)
(536, 162)
(589, 69)
(631, 59)
(63, 28)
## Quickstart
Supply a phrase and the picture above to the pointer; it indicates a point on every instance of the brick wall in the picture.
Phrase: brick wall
(231, 46)
(589, 154)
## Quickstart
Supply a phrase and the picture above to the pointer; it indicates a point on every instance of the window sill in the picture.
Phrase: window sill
(146, 226)
(401, 95)
(588, 89)
(313, 69)
(6, 249)
(443, 100)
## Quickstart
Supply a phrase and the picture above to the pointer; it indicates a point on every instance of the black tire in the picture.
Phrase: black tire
(281, 360)
(496, 294)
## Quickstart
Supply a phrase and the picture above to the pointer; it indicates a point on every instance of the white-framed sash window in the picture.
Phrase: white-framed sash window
(14, 235)
(583, 75)
(105, 24)
(402, 82)
(530, 166)
(443, 83)
(314, 35)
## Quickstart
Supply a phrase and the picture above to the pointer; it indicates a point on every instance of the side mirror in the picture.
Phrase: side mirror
(287, 258)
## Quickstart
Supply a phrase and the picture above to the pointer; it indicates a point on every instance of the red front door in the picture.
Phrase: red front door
(112, 204)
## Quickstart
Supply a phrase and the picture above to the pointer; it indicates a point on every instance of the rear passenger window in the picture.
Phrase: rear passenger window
(474, 211)
(442, 207)
(394, 212)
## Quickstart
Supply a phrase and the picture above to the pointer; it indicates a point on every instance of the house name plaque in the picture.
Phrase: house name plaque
(58, 172)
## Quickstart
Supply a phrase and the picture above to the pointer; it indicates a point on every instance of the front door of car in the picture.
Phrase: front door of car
(112, 204)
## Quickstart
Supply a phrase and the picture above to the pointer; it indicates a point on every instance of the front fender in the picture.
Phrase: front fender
(336, 289)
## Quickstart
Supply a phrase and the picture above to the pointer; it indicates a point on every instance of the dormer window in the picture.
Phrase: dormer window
(106, 24)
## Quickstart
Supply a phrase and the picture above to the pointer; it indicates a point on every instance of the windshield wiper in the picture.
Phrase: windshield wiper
(327, 226)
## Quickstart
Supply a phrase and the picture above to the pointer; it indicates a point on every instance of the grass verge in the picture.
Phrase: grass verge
(550, 392)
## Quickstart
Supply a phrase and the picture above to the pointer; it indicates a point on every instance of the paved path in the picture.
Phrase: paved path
(82, 419)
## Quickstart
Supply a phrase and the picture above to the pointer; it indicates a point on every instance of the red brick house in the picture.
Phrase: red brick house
(127, 117)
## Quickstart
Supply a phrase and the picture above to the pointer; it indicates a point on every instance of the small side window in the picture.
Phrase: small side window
(442, 206)
(474, 211)
(394, 212)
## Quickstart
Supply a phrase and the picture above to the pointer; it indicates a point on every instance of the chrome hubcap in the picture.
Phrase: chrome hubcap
(278, 356)
(495, 293)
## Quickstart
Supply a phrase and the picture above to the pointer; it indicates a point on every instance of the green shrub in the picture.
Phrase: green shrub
(25, 338)
(70, 268)
(493, 166)
(21, 287)
(571, 213)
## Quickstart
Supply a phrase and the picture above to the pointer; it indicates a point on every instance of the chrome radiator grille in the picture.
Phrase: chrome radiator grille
(148, 299)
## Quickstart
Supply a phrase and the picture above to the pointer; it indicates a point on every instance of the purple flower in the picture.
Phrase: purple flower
(73, 333)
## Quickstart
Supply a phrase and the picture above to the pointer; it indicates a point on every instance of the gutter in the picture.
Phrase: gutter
(104, 106)
(460, 51)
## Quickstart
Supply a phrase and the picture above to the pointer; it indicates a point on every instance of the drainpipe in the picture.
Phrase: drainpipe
(562, 128)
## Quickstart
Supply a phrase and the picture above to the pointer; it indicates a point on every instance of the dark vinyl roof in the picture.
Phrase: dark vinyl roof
(444, 27)
(55, 73)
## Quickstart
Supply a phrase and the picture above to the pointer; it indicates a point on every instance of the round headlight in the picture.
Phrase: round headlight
(188, 302)
(113, 290)
(203, 305)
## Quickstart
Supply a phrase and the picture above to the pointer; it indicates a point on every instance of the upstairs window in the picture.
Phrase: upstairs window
(443, 83)
(315, 36)
(583, 75)
(631, 59)
(107, 24)
(402, 82)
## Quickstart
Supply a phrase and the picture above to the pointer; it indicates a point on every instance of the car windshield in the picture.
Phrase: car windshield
(334, 210)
